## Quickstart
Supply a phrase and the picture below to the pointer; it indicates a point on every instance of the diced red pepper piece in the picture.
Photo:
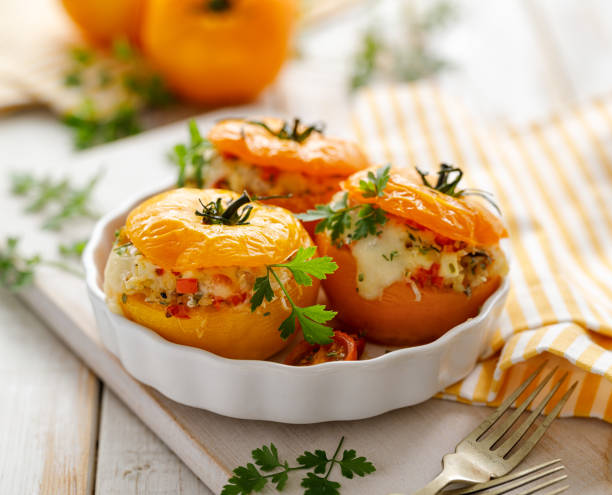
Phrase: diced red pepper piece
(187, 285)
(159, 271)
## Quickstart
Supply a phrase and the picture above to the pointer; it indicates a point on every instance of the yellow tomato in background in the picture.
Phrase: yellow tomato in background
(104, 21)
(218, 51)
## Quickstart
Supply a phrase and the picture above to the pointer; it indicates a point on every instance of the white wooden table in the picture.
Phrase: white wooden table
(61, 430)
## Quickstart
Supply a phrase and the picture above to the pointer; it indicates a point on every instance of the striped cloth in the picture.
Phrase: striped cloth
(553, 180)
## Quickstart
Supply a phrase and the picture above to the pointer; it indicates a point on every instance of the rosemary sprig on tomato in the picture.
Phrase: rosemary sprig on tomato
(448, 180)
(294, 132)
(215, 213)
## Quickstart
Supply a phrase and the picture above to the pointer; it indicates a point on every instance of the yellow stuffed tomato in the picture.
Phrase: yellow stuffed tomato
(191, 280)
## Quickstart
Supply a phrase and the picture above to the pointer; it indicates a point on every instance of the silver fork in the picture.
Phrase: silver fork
(506, 484)
(481, 456)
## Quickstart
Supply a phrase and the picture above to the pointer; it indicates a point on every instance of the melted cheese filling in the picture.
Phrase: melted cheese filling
(129, 272)
(403, 254)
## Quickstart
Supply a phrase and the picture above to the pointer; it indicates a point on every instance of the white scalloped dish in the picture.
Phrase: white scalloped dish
(269, 390)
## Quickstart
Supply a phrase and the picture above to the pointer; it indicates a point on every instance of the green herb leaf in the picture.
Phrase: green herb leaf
(303, 265)
(312, 319)
(247, 479)
(266, 457)
(192, 158)
(350, 465)
(318, 485)
(375, 184)
(317, 460)
(370, 218)
(261, 290)
(334, 217)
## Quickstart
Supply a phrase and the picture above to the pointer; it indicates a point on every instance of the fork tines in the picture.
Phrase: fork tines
(498, 429)
(508, 483)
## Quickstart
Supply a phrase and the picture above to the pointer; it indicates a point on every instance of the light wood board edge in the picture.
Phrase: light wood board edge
(139, 398)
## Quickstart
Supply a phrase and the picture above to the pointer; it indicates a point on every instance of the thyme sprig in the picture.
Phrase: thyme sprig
(337, 218)
(70, 201)
(289, 131)
(448, 180)
(16, 270)
(248, 479)
(214, 213)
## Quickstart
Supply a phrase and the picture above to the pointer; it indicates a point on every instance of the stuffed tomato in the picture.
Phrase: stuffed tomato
(186, 263)
(415, 259)
(270, 157)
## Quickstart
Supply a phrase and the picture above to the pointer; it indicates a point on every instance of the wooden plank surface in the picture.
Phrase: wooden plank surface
(498, 50)
(48, 409)
(131, 459)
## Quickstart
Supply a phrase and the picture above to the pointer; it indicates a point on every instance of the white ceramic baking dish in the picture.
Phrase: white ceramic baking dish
(269, 390)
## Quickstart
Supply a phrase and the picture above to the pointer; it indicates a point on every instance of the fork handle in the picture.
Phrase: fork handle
(435, 485)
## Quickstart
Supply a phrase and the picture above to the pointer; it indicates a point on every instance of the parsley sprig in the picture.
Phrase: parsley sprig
(448, 180)
(248, 479)
(289, 131)
(312, 319)
(337, 219)
(191, 158)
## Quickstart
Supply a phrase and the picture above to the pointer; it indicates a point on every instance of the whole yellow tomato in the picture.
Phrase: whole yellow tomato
(103, 21)
(218, 51)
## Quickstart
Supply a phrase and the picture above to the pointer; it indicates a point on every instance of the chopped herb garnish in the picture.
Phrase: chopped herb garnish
(312, 319)
(448, 180)
(390, 256)
(248, 479)
(294, 132)
(360, 277)
(123, 298)
(192, 158)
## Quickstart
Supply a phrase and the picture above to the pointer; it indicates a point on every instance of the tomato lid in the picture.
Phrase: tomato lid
(167, 231)
(459, 218)
(315, 154)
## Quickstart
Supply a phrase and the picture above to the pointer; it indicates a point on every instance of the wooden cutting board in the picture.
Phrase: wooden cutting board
(405, 445)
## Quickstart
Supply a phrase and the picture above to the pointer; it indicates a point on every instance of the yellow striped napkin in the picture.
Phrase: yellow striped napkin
(553, 181)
